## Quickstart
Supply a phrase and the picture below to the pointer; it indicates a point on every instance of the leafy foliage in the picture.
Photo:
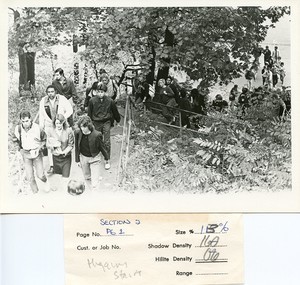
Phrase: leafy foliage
(210, 43)
(228, 154)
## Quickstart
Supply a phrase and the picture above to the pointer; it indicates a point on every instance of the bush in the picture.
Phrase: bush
(227, 154)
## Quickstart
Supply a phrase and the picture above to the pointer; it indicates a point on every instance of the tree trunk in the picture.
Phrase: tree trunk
(30, 61)
(164, 71)
(22, 70)
(26, 69)
(75, 44)
(26, 63)
(150, 75)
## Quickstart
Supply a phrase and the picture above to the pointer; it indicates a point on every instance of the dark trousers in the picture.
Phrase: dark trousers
(185, 121)
(167, 112)
(104, 128)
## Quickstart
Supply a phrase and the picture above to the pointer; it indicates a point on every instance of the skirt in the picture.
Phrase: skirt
(62, 165)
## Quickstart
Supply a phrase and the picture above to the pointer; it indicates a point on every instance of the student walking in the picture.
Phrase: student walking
(65, 86)
(88, 148)
(103, 111)
(112, 87)
(60, 141)
(30, 140)
(51, 105)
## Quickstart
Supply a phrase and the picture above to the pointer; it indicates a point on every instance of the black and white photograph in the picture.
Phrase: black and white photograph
(143, 108)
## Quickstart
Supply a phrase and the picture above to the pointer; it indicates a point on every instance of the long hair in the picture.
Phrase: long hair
(85, 121)
(62, 120)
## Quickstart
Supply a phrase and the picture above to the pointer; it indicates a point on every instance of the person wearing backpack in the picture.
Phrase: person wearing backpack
(112, 87)
(30, 139)
(51, 105)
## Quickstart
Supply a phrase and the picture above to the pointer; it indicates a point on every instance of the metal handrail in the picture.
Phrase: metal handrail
(173, 108)
(125, 139)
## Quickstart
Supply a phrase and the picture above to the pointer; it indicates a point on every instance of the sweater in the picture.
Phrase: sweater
(95, 143)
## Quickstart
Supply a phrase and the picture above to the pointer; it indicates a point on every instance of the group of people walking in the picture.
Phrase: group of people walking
(91, 135)
(273, 71)
(56, 135)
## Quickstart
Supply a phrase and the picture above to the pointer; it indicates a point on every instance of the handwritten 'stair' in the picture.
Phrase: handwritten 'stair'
(153, 248)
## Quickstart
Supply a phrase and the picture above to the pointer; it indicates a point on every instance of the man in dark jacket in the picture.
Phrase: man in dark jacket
(102, 110)
(65, 86)
(88, 149)
(267, 55)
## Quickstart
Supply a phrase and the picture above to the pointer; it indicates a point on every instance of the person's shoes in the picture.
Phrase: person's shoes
(50, 171)
(107, 165)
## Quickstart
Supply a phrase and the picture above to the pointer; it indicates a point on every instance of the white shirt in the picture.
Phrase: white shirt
(64, 107)
(52, 102)
(30, 139)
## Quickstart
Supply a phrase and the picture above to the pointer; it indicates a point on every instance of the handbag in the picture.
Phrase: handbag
(30, 154)
(44, 150)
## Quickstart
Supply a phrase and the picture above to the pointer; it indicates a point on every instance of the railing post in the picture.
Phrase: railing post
(126, 87)
(121, 162)
(128, 134)
(180, 124)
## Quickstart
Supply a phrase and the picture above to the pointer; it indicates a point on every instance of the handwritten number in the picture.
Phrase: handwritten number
(210, 229)
(211, 254)
(209, 243)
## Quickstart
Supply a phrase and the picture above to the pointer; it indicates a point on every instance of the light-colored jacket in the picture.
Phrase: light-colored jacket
(60, 142)
(61, 106)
